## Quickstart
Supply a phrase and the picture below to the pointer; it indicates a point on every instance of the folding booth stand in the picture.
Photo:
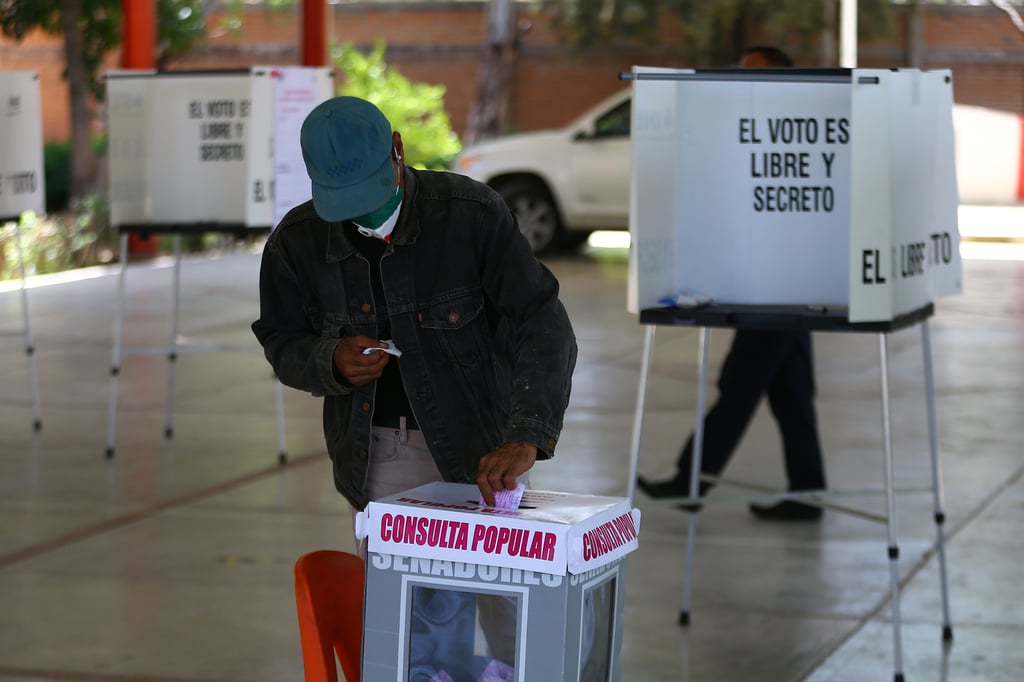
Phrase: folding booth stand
(786, 199)
(26, 326)
(203, 151)
(176, 344)
(22, 189)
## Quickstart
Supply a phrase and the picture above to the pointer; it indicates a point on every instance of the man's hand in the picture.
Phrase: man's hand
(357, 369)
(499, 469)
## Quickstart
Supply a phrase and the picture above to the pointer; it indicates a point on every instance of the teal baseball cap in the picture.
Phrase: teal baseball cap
(346, 145)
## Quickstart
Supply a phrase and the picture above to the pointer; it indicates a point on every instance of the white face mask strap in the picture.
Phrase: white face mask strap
(384, 231)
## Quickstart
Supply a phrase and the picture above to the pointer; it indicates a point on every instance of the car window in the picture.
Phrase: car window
(614, 122)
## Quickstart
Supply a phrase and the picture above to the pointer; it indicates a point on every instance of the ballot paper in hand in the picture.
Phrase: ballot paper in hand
(506, 499)
(391, 349)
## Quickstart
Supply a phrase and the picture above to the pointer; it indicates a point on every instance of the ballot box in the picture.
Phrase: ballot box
(460, 592)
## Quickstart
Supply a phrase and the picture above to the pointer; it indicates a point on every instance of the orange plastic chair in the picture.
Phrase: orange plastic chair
(329, 597)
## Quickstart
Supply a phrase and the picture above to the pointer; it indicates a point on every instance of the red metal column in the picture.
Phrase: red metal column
(139, 52)
(314, 32)
(139, 37)
(1020, 164)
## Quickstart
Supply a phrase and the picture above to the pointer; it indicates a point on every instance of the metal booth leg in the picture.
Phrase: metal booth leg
(30, 348)
(638, 417)
(890, 515)
(172, 346)
(939, 506)
(115, 364)
(703, 350)
(282, 452)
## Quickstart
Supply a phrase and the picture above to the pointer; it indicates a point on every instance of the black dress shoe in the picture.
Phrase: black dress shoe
(787, 510)
(676, 486)
(672, 487)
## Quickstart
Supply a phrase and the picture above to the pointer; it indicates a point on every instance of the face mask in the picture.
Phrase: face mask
(381, 222)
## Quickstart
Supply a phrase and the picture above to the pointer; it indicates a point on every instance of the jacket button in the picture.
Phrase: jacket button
(551, 442)
(453, 317)
(362, 454)
(366, 407)
(366, 307)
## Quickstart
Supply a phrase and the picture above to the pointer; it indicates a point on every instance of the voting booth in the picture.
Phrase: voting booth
(204, 151)
(795, 199)
(460, 592)
(21, 138)
(809, 188)
(209, 150)
(22, 187)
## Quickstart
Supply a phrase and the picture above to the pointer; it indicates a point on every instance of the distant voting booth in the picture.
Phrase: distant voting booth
(22, 187)
(795, 199)
(204, 151)
(21, 138)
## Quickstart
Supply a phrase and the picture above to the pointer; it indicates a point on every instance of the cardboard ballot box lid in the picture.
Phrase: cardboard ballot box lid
(551, 532)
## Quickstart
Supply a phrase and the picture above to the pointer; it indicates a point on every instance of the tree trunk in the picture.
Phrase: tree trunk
(828, 35)
(489, 116)
(915, 58)
(83, 160)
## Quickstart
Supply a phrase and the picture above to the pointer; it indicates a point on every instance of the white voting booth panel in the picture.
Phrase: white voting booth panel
(834, 189)
(209, 147)
(21, 139)
(459, 592)
(204, 151)
(22, 186)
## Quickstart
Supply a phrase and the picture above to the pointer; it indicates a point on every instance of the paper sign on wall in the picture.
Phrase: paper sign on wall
(296, 92)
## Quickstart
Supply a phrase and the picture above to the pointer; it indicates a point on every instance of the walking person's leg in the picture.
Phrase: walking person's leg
(791, 398)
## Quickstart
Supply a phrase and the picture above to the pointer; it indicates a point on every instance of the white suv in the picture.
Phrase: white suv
(562, 184)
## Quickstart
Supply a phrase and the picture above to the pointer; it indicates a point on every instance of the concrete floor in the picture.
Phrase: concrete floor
(173, 560)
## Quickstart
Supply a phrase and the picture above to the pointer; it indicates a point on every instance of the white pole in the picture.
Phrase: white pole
(848, 34)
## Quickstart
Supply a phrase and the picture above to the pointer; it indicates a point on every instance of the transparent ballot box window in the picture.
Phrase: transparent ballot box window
(597, 631)
(458, 635)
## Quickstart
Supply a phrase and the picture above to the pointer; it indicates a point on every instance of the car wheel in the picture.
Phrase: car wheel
(536, 212)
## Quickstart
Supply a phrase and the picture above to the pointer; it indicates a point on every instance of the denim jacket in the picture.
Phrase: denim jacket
(487, 347)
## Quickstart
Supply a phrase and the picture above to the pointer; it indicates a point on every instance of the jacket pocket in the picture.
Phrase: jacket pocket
(334, 325)
(455, 324)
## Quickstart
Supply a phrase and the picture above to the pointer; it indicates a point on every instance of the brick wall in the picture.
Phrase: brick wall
(441, 42)
(981, 45)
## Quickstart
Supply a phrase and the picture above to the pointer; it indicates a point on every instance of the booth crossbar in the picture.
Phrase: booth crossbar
(177, 343)
(25, 332)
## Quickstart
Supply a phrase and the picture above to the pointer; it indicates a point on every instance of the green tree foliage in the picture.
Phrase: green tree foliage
(717, 30)
(416, 110)
(587, 24)
(100, 27)
(180, 25)
(233, 21)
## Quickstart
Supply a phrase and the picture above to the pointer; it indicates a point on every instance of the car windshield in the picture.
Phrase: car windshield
(615, 122)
